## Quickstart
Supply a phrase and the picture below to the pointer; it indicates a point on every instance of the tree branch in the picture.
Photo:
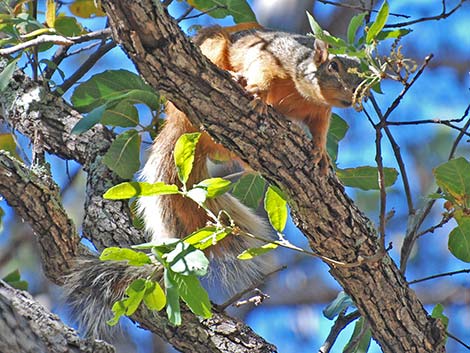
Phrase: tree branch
(332, 223)
(27, 327)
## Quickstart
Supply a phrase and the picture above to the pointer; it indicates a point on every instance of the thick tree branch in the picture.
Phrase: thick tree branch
(27, 327)
(36, 199)
(328, 218)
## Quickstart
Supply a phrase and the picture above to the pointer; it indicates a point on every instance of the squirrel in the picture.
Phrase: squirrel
(294, 74)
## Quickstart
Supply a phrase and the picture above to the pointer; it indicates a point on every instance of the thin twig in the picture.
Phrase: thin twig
(238, 296)
(445, 219)
(85, 67)
(439, 275)
(441, 16)
(398, 157)
(359, 8)
(397, 100)
(56, 39)
(340, 323)
(185, 13)
(412, 235)
(381, 180)
(458, 340)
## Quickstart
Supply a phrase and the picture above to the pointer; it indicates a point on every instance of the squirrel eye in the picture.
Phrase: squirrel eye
(333, 66)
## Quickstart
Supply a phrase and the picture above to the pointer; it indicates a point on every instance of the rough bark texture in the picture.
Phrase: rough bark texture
(31, 110)
(281, 152)
(27, 327)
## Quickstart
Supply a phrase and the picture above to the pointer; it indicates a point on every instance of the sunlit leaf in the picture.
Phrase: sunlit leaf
(251, 253)
(128, 190)
(379, 23)
(354, 25)
(7, 143)
(135, 293)
(185, 259)
(134, 258)
(276, 208)
(214, 186)
(154, 297)
(185, 149)
(86, 9)
(207, 236)
(50, 13)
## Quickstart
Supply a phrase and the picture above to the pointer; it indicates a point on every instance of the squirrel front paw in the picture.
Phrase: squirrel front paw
(323, 161)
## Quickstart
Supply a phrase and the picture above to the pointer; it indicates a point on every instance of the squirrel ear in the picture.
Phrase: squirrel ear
(321, 52)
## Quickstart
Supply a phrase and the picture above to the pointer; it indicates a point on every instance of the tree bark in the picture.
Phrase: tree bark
(35, 197)
(334, 226)
(28, 327)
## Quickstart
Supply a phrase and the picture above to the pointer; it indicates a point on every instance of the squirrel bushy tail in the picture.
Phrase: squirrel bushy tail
(174, 216)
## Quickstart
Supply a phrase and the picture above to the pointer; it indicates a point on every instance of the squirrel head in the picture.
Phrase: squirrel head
(328, 79)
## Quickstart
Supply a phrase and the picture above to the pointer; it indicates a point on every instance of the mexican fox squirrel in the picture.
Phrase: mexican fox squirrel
(296, 75)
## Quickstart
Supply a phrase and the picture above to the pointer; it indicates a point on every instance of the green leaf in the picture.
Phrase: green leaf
(7, 143)
(68, 26)
(276, 207)
(207, 236)
(86, 9)
(154, 297)
(379, 23)
(122, 114)
(215, 186)
(107, 87)
(7, 74)
(50, 13)
(249, 189)
(119, 309)
(340, 303)
(185, 149)
(337, 131)
(173, 309)
(131, 189)
(459, 239)
(250, 253)
(240, 10)
(90, 120)
(366, 178)
(198, 195)
(354, 25)
(135, 293)
(393, 34)
(453, 178)
(123, 154)
(134, 258)
(363, 345)
(193, 294)
(316, 28)
(14, 280)
(185, 259)
(438, 313)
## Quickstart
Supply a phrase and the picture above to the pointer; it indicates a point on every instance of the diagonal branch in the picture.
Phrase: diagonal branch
(333, 225)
